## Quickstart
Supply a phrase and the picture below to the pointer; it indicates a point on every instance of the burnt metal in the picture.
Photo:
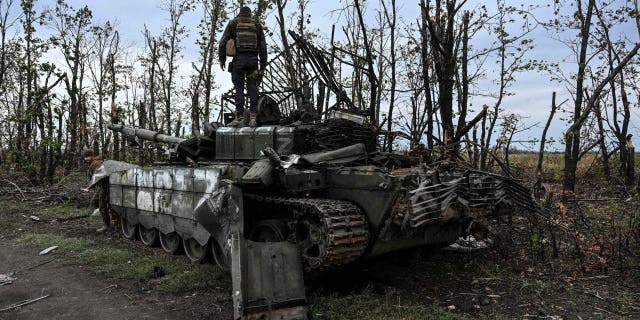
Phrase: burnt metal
(327, 205)
(302, 194)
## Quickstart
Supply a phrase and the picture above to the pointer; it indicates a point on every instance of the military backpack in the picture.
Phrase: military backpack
(246, 36)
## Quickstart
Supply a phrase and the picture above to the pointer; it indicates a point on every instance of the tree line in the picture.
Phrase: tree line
(417, 78)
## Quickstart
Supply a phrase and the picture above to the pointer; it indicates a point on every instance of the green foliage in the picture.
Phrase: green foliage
(129, 264)
(65, 210)
(535, 244)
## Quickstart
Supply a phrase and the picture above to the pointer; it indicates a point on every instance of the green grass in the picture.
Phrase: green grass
(66, 210)
(10, 219)
(366, 306)
(11, 207)
(121, 264)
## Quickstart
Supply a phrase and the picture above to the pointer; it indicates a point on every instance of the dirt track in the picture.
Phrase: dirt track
(74, 293)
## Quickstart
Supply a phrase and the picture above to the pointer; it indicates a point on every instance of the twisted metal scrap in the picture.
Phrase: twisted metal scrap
(468, 191)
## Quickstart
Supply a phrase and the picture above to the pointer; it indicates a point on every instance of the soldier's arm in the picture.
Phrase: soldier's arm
(262, 48)
(222, 46)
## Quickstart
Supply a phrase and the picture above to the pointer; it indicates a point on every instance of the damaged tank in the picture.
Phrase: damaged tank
(300, 193)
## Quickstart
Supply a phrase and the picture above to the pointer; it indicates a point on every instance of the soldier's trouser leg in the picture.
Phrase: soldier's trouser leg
(244, 65)
(103, 196)
(237, 77)
(252, 87)
(95, 200)
(250, 67)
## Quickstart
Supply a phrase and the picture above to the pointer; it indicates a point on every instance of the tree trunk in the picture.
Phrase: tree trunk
(543, 139)
(572, 137)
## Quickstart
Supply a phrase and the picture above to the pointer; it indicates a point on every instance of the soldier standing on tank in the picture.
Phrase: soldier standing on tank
(250, 46)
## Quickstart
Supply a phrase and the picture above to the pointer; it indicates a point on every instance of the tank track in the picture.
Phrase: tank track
(341, 233)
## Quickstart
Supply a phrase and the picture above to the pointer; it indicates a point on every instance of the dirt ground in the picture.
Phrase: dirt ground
(428, 284)
(74, 292)
(76, 287)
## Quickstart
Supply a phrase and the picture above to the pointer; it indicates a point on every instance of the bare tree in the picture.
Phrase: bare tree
(391, 17)
(441, 25)
(583, 106)
(543, 139)
(170, 48)
(202, 82)
(371, 73)
(6, 23)
(102, 70)
(511, 50)
(151, 73)
(71, 31)
(425, 55)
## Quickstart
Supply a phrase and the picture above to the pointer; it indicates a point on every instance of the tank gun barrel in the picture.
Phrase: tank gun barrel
(144, 134)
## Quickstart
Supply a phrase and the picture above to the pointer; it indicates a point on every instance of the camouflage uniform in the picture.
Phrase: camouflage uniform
(100, 198)
(102, 193)
(248, 60)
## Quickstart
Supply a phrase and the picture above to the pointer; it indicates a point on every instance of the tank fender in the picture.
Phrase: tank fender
(221, 213)
(266, 278)
(108, 167)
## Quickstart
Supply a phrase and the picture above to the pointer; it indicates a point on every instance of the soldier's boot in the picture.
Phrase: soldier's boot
(238, 121)
(246, 122)
(253, 120)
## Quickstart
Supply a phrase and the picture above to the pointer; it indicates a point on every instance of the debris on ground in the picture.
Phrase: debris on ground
(23, 303)
(47, 250)
(34, 266)
(38, 219)
(6, 279)
(468, 244)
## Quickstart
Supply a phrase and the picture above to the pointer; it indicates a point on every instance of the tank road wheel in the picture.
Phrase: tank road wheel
(195, 252)
(270, 231)
(129, 230)
(328, 232)
(148, 236)
(170, 242)
(221, 259)
(309, 235)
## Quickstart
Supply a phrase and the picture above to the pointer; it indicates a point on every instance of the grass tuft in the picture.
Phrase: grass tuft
(121, 264)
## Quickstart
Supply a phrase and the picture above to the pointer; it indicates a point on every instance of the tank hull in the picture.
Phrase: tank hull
(288, 214)
(400, 209)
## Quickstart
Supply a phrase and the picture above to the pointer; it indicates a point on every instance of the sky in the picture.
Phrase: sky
(531, 93)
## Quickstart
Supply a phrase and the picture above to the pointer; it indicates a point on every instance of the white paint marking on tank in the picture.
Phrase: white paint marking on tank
(163, 179)
(182, 204)
(183, 179)
(213, 177)
(200, 180)
(162, 201)
(129, 177)
(145, 200)
(146, 178)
